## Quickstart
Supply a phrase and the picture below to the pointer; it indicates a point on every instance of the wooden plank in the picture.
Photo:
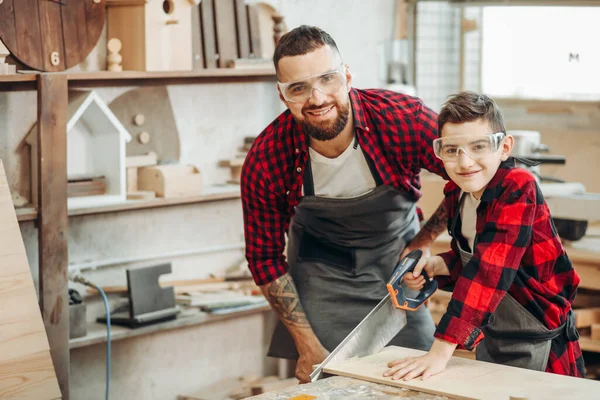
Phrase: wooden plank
(586, 317)
(588, 344)
(197, 50)
(166, 75)
(225, 28)
(74, 32)
(7, 25)
(127, 24)
(52, 41)
(82, 22)
(26, 369)
(29, 37)
(53, 219)
(243, 33)
(595, 331)
(95, 16)
(209, 44)
(97, 331)
(254, 28)
(140, 205)
(471, 379)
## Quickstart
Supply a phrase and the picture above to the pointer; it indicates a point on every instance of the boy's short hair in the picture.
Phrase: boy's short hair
(469, 106)
(302, 40)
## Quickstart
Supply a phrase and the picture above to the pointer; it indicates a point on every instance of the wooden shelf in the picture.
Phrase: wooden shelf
(28, 81)
(589, 344)
(212, 193)
(26, 214)
(189, 317)
(17, 78)
(17, 82)
(126, 78)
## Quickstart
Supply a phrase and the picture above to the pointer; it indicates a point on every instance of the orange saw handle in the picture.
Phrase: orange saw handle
(399, 299)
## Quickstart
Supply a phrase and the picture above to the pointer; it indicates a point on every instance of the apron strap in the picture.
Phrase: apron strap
(370, 163)
(455, 231)
(309, 183)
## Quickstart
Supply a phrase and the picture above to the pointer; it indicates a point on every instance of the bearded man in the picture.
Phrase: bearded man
(338, 171)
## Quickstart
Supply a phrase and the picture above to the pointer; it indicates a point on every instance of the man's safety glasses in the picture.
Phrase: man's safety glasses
(327, 83)
(474, 146)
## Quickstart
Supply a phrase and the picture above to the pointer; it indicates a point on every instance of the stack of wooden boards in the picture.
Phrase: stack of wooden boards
(26, 370)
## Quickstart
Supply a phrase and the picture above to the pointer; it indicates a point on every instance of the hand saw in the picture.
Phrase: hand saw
(384, 322)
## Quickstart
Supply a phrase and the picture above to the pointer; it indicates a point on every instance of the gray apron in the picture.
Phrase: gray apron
(341, 254)
(513, 335)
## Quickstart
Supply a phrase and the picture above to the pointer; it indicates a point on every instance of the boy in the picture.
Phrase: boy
(513, 284)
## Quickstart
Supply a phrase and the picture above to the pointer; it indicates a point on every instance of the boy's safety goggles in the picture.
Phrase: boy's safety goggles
(327, 83)
(474, 146)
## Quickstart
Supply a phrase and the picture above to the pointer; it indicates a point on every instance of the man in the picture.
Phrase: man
(339, 170)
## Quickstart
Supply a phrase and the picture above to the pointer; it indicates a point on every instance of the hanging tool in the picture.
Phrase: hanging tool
(384, 322)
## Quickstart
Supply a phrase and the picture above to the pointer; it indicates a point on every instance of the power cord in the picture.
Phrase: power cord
(78, 278)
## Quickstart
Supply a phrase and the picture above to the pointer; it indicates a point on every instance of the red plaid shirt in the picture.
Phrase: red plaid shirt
(517, 250)
(394, 129)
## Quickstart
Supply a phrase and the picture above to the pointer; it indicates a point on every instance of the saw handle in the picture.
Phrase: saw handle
(408, 264)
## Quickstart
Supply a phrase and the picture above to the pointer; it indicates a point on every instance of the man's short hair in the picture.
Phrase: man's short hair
(469, 106)
(302, 40)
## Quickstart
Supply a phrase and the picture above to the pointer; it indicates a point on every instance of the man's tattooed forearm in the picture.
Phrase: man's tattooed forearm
(436, 224)
(283, 296)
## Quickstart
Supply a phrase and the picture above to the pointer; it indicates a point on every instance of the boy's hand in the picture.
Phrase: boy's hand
(430, 364)
(432, 265)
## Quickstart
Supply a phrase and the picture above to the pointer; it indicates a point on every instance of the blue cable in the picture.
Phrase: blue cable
(106, 306)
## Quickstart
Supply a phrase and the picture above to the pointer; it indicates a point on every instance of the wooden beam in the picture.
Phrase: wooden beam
(53, 219)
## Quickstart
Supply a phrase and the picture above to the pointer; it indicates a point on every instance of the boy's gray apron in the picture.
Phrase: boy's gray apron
(513, 335)
(341, 254)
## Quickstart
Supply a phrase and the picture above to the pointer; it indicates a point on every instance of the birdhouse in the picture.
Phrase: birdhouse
(96, 144)
(156, 35)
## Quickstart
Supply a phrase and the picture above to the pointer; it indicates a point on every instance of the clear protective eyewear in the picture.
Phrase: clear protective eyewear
(475, 147)
(327, 83)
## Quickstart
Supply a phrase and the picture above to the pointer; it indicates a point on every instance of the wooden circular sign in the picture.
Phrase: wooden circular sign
(51, 35)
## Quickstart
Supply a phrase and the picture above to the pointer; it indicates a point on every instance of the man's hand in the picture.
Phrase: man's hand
(283, 296)
(309, 357)
(409, 248)
(430, 364)
(433, 266)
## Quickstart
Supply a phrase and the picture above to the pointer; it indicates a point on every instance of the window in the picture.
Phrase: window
(541, 52)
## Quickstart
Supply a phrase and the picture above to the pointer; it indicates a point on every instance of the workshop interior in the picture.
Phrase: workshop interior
(127, 124)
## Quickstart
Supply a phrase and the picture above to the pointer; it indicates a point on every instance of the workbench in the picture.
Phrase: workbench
(341, 387)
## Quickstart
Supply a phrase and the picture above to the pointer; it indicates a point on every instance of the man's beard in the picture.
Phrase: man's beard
(327, 130)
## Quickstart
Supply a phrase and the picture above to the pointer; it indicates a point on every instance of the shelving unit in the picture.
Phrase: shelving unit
(212, 194)
(52, 214)
(97, 331)
(27, 80)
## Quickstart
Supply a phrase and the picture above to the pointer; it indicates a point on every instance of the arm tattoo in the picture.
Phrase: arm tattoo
(436, 224)
(283, 296)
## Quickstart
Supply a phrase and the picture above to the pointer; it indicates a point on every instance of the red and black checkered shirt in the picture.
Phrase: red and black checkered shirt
(517, 250)
(394, 129)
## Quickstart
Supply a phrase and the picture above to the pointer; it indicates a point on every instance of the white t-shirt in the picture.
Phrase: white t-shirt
(468, 216)
(345, 176)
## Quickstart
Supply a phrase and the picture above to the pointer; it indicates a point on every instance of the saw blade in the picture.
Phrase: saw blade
(371, 335)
